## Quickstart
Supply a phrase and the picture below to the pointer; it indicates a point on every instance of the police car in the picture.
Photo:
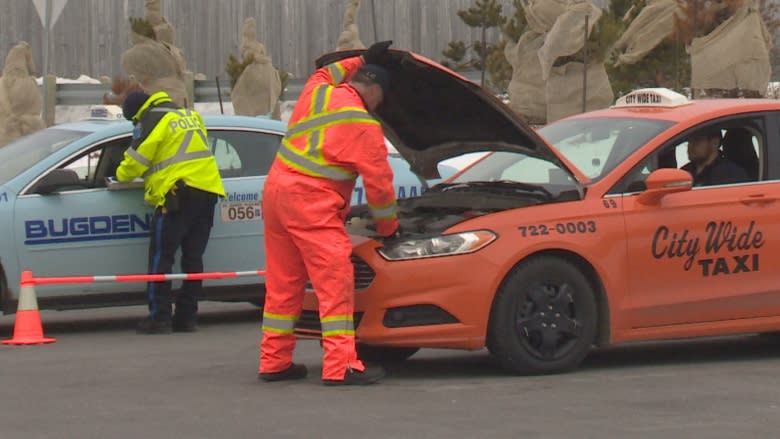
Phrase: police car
(584, 233)
(60, 217)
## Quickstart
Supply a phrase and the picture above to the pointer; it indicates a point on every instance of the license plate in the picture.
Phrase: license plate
(235, 212)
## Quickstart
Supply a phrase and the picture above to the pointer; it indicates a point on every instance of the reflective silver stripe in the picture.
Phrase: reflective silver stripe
(138, 157)
(315, 168)
(174, 160)
(337, 325)
(319, 99)
(335, 73)
(171, 110)
(315, 143)
(163, 110)
(324, 119)
(181, 154)
(278, 325)
(385, 212)
(319, 105)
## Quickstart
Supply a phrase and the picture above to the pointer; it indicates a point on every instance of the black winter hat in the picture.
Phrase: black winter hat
(132, 103)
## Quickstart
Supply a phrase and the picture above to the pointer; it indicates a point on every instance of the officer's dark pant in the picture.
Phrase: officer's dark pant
(188, 228)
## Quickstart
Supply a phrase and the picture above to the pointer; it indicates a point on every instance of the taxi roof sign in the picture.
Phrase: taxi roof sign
(106, 112)
(652, 97)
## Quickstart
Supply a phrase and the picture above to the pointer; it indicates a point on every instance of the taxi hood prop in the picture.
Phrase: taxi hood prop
(431, 113)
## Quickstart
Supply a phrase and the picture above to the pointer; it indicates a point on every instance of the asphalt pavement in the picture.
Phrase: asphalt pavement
(101, 380)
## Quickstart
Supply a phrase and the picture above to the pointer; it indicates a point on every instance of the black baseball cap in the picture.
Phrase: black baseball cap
(376, 74)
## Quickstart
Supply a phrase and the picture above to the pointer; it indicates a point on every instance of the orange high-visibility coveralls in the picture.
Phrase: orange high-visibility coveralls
(331, 139)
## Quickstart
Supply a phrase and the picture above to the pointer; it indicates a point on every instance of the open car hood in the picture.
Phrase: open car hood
(431, 114)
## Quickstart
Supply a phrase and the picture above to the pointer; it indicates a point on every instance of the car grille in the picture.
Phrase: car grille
(364, 275)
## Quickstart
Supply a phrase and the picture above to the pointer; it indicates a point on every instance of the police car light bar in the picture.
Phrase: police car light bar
(652, 97)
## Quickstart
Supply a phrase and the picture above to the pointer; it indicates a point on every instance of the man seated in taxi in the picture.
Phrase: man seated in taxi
(708, 165)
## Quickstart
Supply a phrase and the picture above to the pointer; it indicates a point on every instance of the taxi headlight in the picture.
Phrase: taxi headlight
(445, 245)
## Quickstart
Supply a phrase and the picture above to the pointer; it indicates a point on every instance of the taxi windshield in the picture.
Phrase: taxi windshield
(515, 171)
(26, 151)
(595, 146)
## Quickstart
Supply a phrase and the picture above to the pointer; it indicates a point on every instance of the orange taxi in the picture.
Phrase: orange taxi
(583, 233)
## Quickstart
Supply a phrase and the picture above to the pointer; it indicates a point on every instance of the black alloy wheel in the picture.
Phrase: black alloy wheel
(544, 318)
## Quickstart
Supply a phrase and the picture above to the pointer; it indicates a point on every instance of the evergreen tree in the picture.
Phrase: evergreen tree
(498, 68)
(770, 12)
(700, 17)
(142, 27)
(667, 65)
(486, 14)
(456, 56)
(602, 38)
(235, 67)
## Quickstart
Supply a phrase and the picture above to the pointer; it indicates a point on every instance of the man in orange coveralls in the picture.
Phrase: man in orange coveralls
(331, 138)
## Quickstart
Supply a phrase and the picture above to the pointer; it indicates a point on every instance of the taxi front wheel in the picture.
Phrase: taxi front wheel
(544, 318)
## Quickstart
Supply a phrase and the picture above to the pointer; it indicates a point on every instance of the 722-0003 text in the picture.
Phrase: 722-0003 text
(569, 228)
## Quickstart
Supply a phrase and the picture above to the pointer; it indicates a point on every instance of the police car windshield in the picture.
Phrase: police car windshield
(595, 146)
(24, 152)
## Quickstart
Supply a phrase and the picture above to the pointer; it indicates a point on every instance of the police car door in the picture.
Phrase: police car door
(76, 226)
(703, 254)
(244, 157)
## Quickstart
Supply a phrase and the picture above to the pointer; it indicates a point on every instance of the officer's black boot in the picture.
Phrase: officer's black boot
(185, 318)
(154, 326)
(159, 319)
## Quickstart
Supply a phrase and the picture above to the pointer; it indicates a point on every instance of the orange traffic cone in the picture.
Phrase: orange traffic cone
(27, 327)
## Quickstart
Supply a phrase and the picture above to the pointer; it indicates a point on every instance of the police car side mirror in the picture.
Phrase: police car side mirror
(665, 181)
(57, 180)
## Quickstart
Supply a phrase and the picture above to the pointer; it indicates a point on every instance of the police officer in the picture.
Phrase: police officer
(181, 180)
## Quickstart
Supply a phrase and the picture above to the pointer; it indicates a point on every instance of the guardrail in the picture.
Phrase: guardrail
(203, 90)
(198, 91)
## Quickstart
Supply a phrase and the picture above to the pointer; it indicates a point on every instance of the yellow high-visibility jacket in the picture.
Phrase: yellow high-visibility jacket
(169, 144)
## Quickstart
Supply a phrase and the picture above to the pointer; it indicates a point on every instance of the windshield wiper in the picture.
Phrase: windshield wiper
(509, 185)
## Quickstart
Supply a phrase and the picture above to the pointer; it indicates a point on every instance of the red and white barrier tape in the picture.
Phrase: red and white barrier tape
(28, 278)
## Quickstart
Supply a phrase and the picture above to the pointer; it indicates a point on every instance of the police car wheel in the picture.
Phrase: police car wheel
(384, 354)
(544, 318)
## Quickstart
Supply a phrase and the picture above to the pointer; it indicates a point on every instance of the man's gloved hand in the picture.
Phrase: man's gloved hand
(376, 53)
(392, 238)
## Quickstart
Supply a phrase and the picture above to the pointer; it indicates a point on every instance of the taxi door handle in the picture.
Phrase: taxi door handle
(758, 199)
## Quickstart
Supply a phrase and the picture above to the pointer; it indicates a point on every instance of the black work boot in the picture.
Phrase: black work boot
(371, 375)
(184, 324)
(294, 372)
(153, 326)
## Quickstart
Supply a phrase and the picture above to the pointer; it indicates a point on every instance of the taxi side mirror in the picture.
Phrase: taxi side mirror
(665, 181)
